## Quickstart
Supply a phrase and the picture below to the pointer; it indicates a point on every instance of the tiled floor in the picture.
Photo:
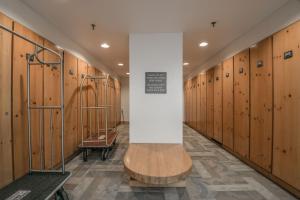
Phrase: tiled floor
(216, 174)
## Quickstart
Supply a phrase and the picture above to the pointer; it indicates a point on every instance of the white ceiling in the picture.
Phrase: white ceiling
(115, 19)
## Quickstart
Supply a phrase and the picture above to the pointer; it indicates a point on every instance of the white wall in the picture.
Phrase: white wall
(281, 18)
(155, 118)
(23, 14)
(125, 98)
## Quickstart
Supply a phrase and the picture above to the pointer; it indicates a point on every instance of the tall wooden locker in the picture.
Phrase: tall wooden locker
(185, 101)
(228, 103)
(82, 69)
(194, 102)
(198, 102)
(6, 172)
(218, 135)
(20, 134)
(190, 102)
(71, 103)
(241, 103)
(91, 89)
(286, 146)
(261, 86)
(203, 103)
(52, 133)
(210, 103)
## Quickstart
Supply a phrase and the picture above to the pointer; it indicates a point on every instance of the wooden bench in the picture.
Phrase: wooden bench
(157, 165)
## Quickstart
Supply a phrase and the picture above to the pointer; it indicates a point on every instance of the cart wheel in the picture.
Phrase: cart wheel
(107, 153)
(103, 155)
(84, 155)
(61, 194)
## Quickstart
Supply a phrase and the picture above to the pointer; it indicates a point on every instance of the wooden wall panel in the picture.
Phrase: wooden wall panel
(21, 47)
(261, 69)
(241, 103)
(82, 69)
(52, 97)
(198, 103)
(189, 94)
(228, 103)
(71, 103)
(185, 102)
(91, 102)
(203, 83)
(218, 103)
(210, 103)
(286, 147)
(194, 103)
(6, 167)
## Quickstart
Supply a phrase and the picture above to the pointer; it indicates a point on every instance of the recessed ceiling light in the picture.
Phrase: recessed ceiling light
(186, 64)
(105, 45)
(120, 64)
(127, 73)
(203, 44)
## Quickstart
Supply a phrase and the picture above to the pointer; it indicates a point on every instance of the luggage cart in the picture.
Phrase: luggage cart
(104, 139)
(42, 183)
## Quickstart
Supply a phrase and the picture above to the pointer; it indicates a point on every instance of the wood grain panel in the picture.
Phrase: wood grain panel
(6, 167)
(286, 148)
(241, 103)
(194, 103)
(261, 68)
(71, 103)
(203, 105)
(210, 103)
(228, 103)
(82, 69)
(52, 139)
(198, 102)
(20, 135)
(91, 102)
(218, 135)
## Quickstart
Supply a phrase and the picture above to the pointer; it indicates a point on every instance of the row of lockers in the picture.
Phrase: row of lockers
(250, 104)
(45, 90)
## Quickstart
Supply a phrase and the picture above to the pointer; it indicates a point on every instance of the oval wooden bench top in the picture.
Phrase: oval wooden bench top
(157, 163)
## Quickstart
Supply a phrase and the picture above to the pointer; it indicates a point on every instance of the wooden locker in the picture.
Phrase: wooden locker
(261, 69)
(218, 103)
(71, 103)
(194, 103)
(91, 88)
(82, 69)
(210, 103)
(241, 103)
(6, 167)
(228, 103)
(185, 102)
(52, 139)
(189, 102)
(203, 103)
(198, 103)
(286, 146)
(20, 134)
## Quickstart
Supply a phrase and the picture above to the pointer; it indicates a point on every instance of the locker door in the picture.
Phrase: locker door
(71, 103)
(52, 97)
(228, 103)
(241, 103)
(286, 148)
(199, 111)
(218, 104)
(203, 103)
(6, 172)
(210, 103)
(20, 49)
(261, 104)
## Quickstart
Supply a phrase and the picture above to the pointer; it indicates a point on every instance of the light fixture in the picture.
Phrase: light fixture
(127, 73)
(105, 45)
(120, 64)
(253, 46)
(203, 44)
(186, 64)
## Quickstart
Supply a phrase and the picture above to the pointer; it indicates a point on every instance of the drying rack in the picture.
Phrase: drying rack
(103, 139)
(40, 184)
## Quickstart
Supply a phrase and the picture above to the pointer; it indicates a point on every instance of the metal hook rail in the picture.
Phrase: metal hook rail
(30, 61)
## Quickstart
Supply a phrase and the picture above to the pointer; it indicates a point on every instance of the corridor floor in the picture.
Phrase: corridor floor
(216, 174)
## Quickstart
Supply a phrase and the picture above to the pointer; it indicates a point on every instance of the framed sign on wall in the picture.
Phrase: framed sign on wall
(156, 82)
